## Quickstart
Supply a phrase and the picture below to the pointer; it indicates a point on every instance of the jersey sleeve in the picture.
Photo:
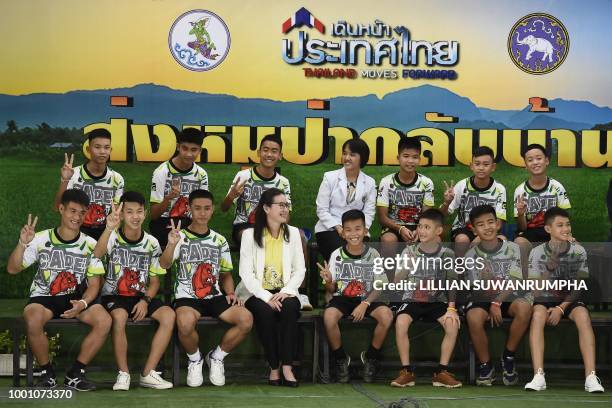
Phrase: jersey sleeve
(500, 203)
(562, 198)
(537, 263)
(226, 258)
(287, 190)
(112, 240)
(30, 255)
(517, 193)
(234, 181)
(583, 266)
(95, 267)
(119, 185)
(155, 269)
(332, 264)
(157, 186)
(74, 178)
(204, 181)
(428, 199)
(458, 190)
(515, 271)
(382, 199)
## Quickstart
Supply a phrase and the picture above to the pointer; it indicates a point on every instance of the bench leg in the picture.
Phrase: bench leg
(29, 367)
(16, 357)
(325, 349)
(176, 359)
(315, 351)
(313, 272)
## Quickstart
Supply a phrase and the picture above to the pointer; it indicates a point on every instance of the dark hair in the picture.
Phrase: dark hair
(353, 215)
(483, 151)
(554, 212)
(98, 133)
(434, 215)
(271, 138)
(481, 210)
(190, 135)
(73, 195)
(132, 197)
(359, 147)
(261, 218)
(535, 146)
(406, 143)
(200, 194)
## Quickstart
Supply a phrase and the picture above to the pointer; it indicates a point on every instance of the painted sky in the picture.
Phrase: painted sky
(64, 45)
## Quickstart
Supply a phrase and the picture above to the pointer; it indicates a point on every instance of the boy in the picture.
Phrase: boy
(65, 285)
(478, 189)
(173, 180)
(350, 277)
(132, 281)
(249, 184)
(403, 196)
(560, 258)
(494, 260)
(428, 305)
(102, 185)
(203, 258)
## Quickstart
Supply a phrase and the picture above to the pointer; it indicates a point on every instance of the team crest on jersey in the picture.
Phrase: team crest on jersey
(204, 281)
(64, 283)
(130, 284)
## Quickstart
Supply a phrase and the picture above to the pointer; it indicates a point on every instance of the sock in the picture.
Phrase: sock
(195, 357)
(508, 353)
(442, 367)
(373, 353)
(486, 363)
(218, 354)
(339, 354)
(76, 368)
(409, 368)
(48, 368)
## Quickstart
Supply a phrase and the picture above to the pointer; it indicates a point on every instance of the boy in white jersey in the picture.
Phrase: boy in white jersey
(427, 305)
(132, 281)
(203, 259)
(480, 189)
(495, 260)
(560, 258)
(350, 276)
(65, 285)
(404, 195)
(172, 182)
(102, 185)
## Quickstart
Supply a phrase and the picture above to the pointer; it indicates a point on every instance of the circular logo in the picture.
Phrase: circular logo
(538, 43)
(199, 40)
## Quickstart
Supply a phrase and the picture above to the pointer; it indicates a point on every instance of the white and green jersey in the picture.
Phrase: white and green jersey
(130, 263)
(572, 265)
(553, 194)
(436, 266)
(200, 259)
(102, 191)
(353, 274)
(468, 196)
(405, 201)
(62, 265)
(195, 178)
(254, 187)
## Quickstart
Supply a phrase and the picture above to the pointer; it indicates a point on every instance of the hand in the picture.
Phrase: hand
(521, 205)
(237, 189)
(451, 314)
(28, 231)
(280, 296)
(407, 235)
(77, 307)
(67, 171)
(275, 304)
(232, 300)
(324, 272)
(339, 230)
(495, 315)
(554, 316)
(113, 219)
(176, 189)
(359, 312)
(139, 311)
(174, 235)
(449, 192)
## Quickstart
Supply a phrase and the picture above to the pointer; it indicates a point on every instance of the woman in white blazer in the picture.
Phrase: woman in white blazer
(272, 269)
(341, 190)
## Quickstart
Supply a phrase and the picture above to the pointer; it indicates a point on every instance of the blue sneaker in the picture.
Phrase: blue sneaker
(510, 375)
(486, 374)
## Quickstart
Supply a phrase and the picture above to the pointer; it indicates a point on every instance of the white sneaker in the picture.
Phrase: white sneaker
(216, 372)
(304, 302)
(154, 380)
(593, 383)
(194, 373)
(538, 383)
(123, 382)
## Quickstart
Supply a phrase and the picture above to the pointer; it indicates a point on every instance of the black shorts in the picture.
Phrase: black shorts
(58, 304)
(535, 235)
(505, 306)
(95, 233)
(347, 304)
(212, 307)
(568, 309)
(386, 230)
(428, 312)
(159, 228)
(464, 230)
(127, 303)
(237, 229)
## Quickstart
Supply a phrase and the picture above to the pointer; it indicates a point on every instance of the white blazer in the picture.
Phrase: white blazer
(331, 199)
(252, 260)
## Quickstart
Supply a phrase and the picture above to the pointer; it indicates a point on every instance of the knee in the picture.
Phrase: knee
(102, 322)
(330, 317)
(475, 319)
(402, 323)
(462, 239)
(388, 238)
(167, 317)
(385, 317)
(245, 321)
(523, 312)
(185, 324)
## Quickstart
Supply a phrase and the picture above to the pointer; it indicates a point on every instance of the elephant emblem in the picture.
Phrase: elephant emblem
(536, 44)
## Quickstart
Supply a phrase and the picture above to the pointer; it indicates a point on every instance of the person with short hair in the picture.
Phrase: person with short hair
(65, 285)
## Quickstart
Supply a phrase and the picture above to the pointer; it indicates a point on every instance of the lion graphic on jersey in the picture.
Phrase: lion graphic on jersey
(408, 215)
(537, 220)
(129, 284)
(64, 283)
(204, 282)
(179, 209)
(96, 215)
(354, 289)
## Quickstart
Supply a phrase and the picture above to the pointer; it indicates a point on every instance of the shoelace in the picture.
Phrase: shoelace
(596, 377)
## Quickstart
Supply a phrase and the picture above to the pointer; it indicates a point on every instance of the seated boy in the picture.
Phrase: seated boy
(495, 260)
(132, 281)
(427, 305)
(65, 285)
(560, 258)
(350, 277)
